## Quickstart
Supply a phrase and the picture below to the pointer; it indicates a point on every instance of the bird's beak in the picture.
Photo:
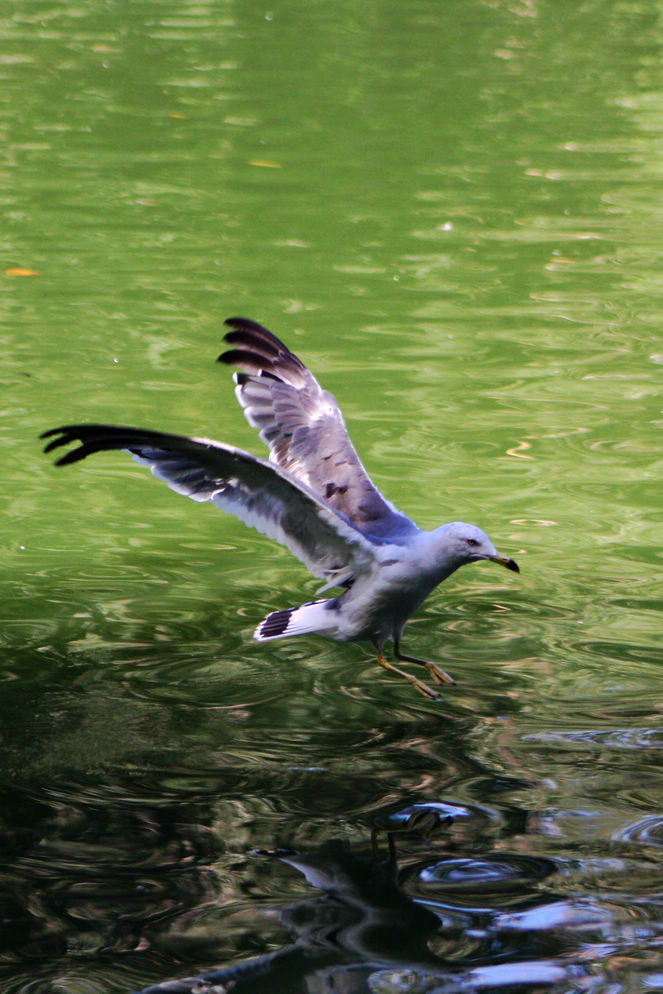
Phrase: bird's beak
(506, 562)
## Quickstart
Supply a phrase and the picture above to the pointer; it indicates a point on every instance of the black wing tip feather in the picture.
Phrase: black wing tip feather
(87, 435)
(64, 434)
(254, 343)
(96, 438)
(251, 333)
(259, 348)
(247, 358)
(246, 324)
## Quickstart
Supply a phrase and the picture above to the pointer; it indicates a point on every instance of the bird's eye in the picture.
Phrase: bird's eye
(472, 541)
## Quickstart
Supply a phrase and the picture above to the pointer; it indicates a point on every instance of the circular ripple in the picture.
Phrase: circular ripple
(413, 817)
(489, 873)
(648, 830)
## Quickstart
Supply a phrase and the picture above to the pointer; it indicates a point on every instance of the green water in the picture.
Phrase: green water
(452, 211)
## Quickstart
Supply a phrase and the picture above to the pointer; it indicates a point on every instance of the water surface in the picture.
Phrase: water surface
(452, 212)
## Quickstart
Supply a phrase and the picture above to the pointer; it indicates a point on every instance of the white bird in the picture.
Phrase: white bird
(313, 495)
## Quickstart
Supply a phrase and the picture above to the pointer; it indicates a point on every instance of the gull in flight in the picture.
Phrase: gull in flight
(313, 495)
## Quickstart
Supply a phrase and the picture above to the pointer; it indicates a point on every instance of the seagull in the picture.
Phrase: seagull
(312, 495)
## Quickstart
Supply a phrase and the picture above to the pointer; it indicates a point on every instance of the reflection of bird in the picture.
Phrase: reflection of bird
(313, 495)
(361, 924)
(365, 932)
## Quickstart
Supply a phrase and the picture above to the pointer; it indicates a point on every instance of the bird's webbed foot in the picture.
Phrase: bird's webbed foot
(437, 674)
(419, 685)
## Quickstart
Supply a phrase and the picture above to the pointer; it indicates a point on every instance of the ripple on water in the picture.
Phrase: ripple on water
(648, 830)
(500, 872)
(413, 816)
(615, 738)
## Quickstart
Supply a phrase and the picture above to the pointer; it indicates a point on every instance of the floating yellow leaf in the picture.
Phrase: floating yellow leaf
(265, 164)
(20, 271)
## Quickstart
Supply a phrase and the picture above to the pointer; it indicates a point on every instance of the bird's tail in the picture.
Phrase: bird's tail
(312, 617)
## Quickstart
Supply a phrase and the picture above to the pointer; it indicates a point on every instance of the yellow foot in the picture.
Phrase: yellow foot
(438, 675)
(419, 685)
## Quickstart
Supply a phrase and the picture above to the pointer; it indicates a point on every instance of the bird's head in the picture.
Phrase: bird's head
(461, 543)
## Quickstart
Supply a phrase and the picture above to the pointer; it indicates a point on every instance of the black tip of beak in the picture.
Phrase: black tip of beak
(512, 565)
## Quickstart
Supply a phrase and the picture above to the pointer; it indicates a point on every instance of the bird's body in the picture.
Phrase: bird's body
(376, 607)
(312, 495)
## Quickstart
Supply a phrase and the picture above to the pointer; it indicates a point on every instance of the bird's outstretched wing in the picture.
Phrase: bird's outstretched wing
(303, 426)
(262, 495)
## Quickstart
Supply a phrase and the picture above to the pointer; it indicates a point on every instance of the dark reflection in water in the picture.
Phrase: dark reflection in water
(151, 831)
(113, 883)
(364, 932)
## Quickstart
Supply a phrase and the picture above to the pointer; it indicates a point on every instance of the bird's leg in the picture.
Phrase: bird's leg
(422, 687)
(438, 675)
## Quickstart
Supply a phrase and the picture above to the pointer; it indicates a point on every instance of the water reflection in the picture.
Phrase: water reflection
(470, 880)
(365, 932)
(476, 856)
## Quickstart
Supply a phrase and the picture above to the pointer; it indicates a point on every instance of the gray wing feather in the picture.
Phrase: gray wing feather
(304, 429)
(260, 494)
